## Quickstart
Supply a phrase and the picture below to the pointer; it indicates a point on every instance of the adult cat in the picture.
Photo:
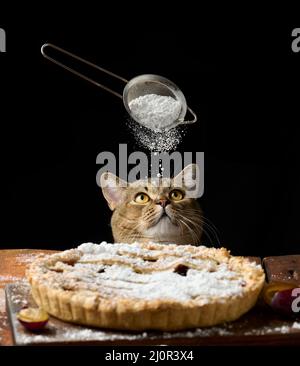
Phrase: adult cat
(160, 210)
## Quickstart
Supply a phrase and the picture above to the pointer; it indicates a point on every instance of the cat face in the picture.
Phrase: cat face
(158, 210)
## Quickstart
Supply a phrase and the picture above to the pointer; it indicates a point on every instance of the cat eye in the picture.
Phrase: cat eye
(141, 198)
(176, 195)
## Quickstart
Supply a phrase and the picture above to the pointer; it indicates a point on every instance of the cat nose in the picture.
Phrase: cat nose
(163, 203)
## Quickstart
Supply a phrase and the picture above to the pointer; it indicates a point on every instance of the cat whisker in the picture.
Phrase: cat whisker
(213, 232)
(211, 223)
(190, 230)
(210, 226)
(185, 217)
(132, 233)
(152, 219)
(194, 233)
(207, 234)
(211, 229)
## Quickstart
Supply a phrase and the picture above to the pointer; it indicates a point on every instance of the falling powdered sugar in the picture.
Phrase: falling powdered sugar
(156, 141)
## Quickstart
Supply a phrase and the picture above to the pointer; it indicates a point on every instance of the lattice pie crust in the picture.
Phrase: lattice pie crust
(145, 286)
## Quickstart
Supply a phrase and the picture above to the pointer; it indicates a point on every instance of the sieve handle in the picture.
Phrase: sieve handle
(83, 61)
(190, 121)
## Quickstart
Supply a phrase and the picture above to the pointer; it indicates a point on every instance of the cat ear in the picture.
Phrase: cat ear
(188, 179)
(113, 189)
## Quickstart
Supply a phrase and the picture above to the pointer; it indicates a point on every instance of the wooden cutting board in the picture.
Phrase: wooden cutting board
(258, 327)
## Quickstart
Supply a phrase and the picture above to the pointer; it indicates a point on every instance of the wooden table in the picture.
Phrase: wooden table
(12, 268)
(259, 327)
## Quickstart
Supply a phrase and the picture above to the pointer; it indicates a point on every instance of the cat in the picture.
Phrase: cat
(161, 212)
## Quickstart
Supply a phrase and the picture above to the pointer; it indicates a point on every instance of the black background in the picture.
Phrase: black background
(241, 78)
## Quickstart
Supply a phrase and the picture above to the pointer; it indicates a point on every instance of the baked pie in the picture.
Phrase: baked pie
(145, 286)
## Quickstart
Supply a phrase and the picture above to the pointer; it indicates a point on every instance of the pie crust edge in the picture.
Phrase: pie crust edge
(133, 314)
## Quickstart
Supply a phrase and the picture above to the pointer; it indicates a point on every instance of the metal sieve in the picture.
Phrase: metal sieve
(134, 88)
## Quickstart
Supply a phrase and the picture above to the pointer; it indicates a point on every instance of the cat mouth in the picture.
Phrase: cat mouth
(165, 216)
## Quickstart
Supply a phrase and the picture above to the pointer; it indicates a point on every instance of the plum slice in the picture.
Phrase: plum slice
(33, 319)
(283, 298)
